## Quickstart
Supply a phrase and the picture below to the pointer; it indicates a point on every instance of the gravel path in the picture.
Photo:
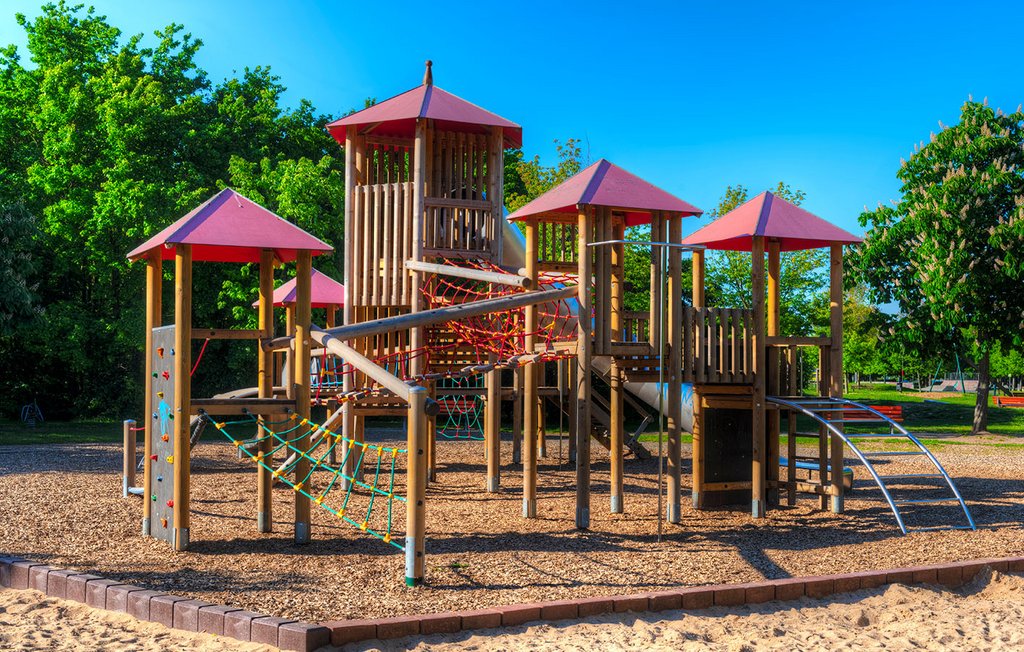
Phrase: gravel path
(62, 505)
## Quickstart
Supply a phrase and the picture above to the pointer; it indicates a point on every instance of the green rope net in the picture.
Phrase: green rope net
(462, 411)
(363, 483)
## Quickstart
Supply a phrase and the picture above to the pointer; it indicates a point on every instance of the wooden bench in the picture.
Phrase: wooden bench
(894, 412)
(1008, 401)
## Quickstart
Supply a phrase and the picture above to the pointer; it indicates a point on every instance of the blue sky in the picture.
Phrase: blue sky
(692, 97)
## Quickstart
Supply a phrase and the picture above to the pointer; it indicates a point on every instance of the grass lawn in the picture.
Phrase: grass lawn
(61, 432)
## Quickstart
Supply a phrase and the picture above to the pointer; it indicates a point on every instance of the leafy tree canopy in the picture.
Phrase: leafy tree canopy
(950, 252)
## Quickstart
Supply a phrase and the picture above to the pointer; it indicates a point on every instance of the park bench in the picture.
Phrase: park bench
(894, 412)
(1008, 401)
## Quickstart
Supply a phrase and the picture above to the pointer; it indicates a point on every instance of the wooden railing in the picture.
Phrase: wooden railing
(717, 343)
(382, 242)
(458, 226)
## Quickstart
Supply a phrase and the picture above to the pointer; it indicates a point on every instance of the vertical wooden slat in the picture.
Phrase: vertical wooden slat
(675, 369)
(714, 314)
(264, 481)
(583, 371)
(836, 365)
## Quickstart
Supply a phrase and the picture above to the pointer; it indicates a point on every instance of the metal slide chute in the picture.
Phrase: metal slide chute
(835, 413)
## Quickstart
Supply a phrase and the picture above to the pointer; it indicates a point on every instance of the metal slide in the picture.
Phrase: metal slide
(836, 413)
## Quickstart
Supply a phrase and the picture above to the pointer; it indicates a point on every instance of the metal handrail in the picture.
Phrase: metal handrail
(822, 403)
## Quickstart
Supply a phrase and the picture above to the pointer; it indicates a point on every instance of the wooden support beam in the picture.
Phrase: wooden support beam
(226, 334)
(128, 463)
(301, 382)
(836, 365)
(758, 461)
(530, 385)
(616, 427)
(264, 481)
(154, 319)
(674, 371)
(182, 391)
(419, 191)
(416, 491)
(492, 427)
(772, 328)
(221, 406)
(583, 369)
(469, 273)
(698, 278)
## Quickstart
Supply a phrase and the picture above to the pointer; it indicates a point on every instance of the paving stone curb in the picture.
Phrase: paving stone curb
(197, 615)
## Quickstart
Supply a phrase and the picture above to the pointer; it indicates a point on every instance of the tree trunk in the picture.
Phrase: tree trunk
(981, 404)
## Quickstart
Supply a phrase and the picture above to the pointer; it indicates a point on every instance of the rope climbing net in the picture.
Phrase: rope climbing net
(462, 411)
(360, 490)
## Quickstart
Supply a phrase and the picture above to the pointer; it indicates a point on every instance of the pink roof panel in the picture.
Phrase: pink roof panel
(606, 184)
(396, 117)
(324, 292)
(231, 228)
(774, 218)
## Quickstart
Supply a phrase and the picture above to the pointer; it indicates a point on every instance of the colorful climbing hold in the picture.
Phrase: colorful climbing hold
(163, 522)
(152, 457)
(154, 498)
(160, 351)
(165, 438)
(160, 394)
(166, 375)
(170, 503)
(170, 459)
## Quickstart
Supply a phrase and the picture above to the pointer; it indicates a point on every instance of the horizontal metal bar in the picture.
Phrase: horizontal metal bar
(669, 245)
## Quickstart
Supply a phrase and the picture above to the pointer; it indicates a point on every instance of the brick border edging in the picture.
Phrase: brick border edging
(199, 616)
(155, 606)
(949, 575)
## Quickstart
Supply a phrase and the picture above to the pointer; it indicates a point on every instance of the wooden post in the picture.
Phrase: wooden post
(431, 439)
(617, 427)
(697, 463)
(758, 421)
(128, 462)
(348, 419)
(289, 354)
(774, 369)
(415, 509)
(265, 481)
(182, 391)
(698, 279)
(674, 373)
(492, 427)
(540, 369)
(583, 370)
(418, 196)
(300, 380)
(836, 366)
(154, 319)
(517, 415)
(791, 429)
(530, 384)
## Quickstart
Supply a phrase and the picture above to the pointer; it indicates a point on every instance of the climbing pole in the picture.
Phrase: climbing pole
(367, 501)
(838, 414)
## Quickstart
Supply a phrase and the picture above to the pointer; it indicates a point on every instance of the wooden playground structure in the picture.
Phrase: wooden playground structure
(439, 285)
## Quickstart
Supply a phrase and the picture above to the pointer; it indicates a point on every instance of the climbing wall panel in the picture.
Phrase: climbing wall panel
(161, 487)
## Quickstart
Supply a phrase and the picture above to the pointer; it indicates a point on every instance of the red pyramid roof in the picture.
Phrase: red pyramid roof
(397, 116)
(231, 228)
(774, 218)
(324, 292)
(606, 184)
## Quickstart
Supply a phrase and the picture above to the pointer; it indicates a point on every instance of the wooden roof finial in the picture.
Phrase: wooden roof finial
(428, 76)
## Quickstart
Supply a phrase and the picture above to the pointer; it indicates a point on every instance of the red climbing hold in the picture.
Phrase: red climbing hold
(170, 503)
(166, 375)
(152, 457)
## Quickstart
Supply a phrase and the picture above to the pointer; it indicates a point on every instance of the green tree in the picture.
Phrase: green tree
(526, 180)
(803, 282)
(107, 140)
(951, 251)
